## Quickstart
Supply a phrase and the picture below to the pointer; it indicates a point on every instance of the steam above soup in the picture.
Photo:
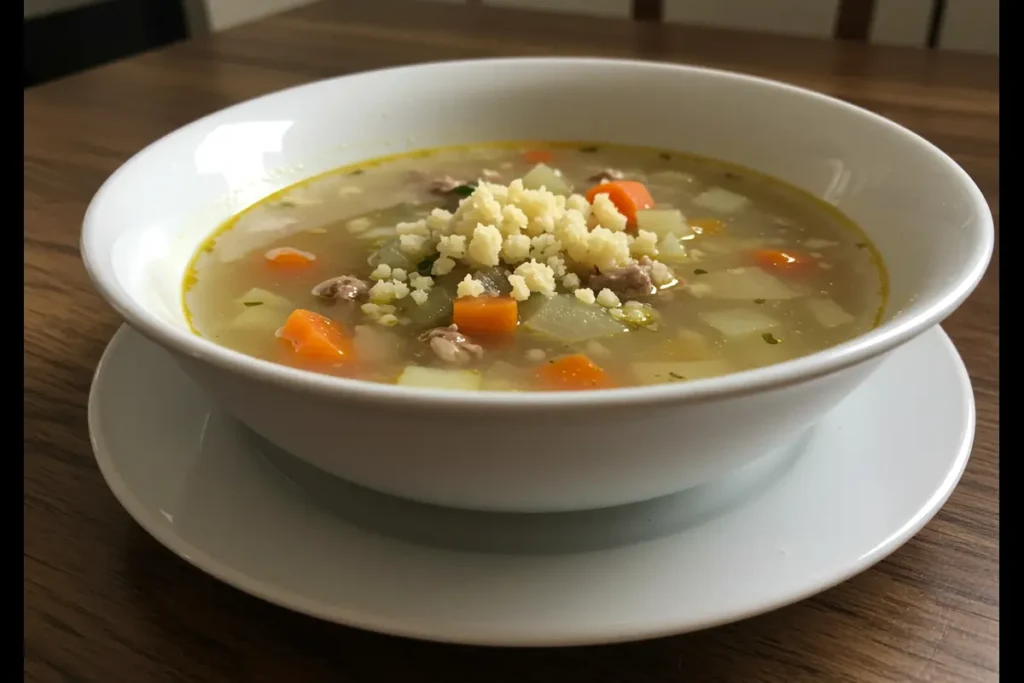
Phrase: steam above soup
(535, 267)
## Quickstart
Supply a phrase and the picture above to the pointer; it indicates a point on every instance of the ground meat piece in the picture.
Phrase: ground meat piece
(451, 346)
(631, 282)
(607, 174)
(445, 184)
(341, 288)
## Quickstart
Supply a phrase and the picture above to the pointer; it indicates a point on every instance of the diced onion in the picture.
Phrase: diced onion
(375, 344)
(543, 176)
(739, 322)
(570, 321)
(829, 313)
(743, 283)
(720, 200)
(437, 378)
(663, 222)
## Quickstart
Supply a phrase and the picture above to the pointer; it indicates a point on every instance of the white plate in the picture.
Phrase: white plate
(859, 485)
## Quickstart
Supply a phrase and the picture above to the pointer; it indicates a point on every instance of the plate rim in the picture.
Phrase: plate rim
(603, 635)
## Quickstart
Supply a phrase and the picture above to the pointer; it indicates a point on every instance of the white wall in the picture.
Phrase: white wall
(969, 25)
(794, 17)
(972, 25)
(225, 14)
(901, 22)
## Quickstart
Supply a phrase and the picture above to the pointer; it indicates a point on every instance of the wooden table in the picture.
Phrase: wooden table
(104, 602)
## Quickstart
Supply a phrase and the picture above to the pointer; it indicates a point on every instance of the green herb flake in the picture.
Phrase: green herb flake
(666, 156)
(250, 304)
(464, 190)
(770, 338)
(759, 300)
(676, 376)
(589, 150)
(699, 271)
(426, 266)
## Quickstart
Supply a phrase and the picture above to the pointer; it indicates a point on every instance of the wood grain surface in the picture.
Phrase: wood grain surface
(104, 602)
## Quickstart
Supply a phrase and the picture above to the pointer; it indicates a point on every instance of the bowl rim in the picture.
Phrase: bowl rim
(861, 348)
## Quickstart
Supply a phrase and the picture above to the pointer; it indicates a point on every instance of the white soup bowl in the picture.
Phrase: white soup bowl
(534, 452)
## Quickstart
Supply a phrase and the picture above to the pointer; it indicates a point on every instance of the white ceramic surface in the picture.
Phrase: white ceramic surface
(862, 482)
(536, 452)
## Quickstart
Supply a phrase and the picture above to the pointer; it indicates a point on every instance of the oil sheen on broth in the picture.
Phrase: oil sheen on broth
(524, 267)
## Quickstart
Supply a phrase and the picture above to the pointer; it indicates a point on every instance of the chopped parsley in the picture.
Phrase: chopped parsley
(250, 304)
(463, 190)
(674, 375)
(770, 338)
(425, 266)
(699, 271)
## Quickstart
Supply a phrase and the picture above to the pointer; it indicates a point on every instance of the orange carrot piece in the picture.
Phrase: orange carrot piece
(486, 315)
(573, 373)
(287, 257)
(707, 226)
(317, 338)
(785, 261)
(628, 196)
(537, 156)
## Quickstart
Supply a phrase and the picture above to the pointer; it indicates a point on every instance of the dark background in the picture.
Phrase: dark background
(59, 44)
(62, 43)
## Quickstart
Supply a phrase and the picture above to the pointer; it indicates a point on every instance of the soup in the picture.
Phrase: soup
(522, 267)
